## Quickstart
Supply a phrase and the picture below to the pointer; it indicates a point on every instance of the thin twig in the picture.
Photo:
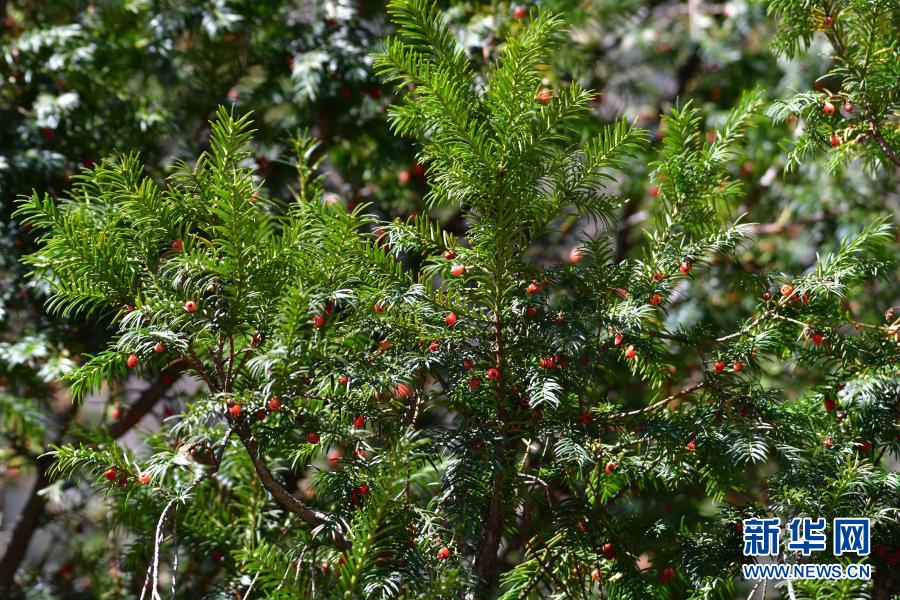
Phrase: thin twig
(162, 518)
(657, 405)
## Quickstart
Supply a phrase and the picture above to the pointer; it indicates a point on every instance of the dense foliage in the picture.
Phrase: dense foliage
(571, 370)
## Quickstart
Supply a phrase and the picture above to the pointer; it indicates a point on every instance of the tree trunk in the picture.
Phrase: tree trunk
(485, 565)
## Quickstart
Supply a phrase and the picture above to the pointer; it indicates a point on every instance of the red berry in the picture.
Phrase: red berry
(329, 307)
(738, 366)
(190, 306)
(835, 140)
(817, 339)
(443, 553)
(235, 410)
(334, 457)
(312, 438)
(865, 446)
(110, 474)
(658, 277)
(344, 380)
(493, 374)
(132, 361)
(586, 418)
(274, 403)
(532, 288)
(177, 245)
(544, 96)
(116, 413)
(318, 321)
(359, 422)
(630, 352)
(363, 490)
(475, 383)
(159, 348)
(610, 467)
(617, 341)
(607, 549)
(691, 445)
(719, 366)
(417, 169)
(596, 574)
(531, 312)
(829, 404)
(384, 345)
(450, 319)
(828, 20)
(449, 254)
(434, 346)
(144, 479)
(848, 106)
(828, 442)
(766, 296)
(519, 12)
(667, 575)
(260, 414)
(655, 299)
(379, 307)
(828, 108)
(685, 267)
(457, 270)
(560, 319)
(48, 134)
(403, 177)
(787, 290)
(575, 255)
(123, 480)
(402, 390)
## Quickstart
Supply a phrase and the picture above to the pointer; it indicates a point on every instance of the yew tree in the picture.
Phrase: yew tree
(386, 409)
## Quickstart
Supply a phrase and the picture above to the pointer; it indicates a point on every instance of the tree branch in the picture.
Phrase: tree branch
(283, 497)
(660, 404)
(30, 518)
(884, 145)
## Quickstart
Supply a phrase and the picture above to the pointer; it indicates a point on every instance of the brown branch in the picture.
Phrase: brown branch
(145, 403)
(31, 515)
(485, 564)
(884, 145)
(283, 497)
(660, 404)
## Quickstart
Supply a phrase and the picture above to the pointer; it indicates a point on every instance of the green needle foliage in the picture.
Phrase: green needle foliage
(854, 108)
(389, 410)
